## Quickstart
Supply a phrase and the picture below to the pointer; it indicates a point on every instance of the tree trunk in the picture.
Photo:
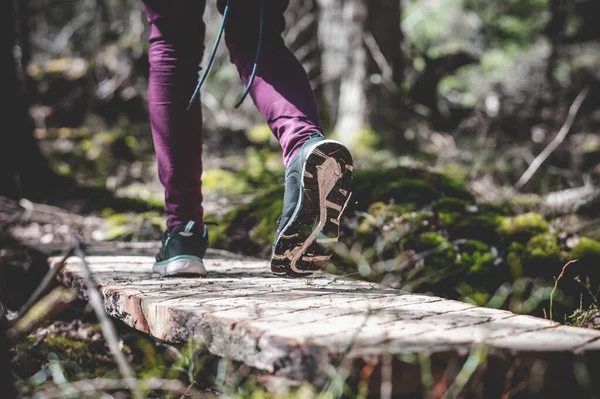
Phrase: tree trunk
(384, 39)
(344, 65)
(362, 65)
(23, 169)
(553, 31)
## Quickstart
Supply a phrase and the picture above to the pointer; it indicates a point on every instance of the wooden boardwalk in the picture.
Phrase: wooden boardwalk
(303, 329)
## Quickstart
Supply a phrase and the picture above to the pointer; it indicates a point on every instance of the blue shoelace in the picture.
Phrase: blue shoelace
(211, 59)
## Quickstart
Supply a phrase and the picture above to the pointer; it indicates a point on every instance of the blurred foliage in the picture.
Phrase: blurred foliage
(509, 23)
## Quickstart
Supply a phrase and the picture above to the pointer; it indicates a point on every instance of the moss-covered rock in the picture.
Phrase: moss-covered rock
(587, 254)
(482, 227)
(586, 249)
(451, 204)
(541, 256)
(522, 228)
(404, 185)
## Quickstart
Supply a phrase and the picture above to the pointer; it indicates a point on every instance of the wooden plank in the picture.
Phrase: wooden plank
(299, 328)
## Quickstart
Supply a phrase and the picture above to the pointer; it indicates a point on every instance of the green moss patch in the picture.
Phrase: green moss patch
(522, 228)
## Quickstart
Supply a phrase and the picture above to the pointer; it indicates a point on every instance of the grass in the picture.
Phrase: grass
(556, 280)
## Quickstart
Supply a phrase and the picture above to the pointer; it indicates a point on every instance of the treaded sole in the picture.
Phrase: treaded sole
(306, 244)
(180, 267)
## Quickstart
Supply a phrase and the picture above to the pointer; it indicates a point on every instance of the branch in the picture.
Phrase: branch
(564, 130)
(108, 329)
(382, 63)
(53, 303)
(49, 278)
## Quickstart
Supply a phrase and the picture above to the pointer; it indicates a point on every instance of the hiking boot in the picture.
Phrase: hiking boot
(182, 252)
(317, 190)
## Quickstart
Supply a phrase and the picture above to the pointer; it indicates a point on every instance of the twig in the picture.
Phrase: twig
(387, 71)
(51, 304)
(558, 139)
(562, 272)
(49, 278)
(108, 329)
(88, 387)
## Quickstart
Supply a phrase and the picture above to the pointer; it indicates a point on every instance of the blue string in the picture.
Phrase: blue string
(211, 58)
(214, 51)
(258, 51)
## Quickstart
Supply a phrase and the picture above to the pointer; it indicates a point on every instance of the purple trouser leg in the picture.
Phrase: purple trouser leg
(281, 91)
(176, 48)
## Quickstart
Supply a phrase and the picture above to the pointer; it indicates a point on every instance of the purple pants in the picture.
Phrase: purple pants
(281, 91)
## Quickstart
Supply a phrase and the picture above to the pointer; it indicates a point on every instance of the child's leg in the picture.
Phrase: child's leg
(281, 91)
(176, 47)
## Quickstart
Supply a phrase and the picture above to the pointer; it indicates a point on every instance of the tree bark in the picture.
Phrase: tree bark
(362, 65)
(344, 64)
(23, 169)
(386, 65)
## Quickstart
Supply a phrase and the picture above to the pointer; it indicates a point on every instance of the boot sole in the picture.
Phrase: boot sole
(180, 267)
(305, 244)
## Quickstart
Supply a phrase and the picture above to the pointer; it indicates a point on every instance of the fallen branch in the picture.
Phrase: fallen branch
(89, 387)
(49, 278)
(553, 145)
(53, 303)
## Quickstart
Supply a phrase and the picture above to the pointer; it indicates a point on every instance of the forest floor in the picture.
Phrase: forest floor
(118, 198)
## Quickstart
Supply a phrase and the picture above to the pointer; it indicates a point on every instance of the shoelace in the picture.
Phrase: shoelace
(211, 59)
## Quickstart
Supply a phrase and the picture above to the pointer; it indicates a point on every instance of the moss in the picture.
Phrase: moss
(250, 228)
(473, 295)
(264, 168)
(585, 318)
(419, 192)
(76, 356)
(391, 198)
(587, 253)
(482, 227)
(523, 227)
(586, 249)
(375, 185)
(449, 204)
(383, 215)
(449, 218)
(525, 202)
(437, 251)
(421, 217)
(224, 182)
(455, 172)
(514, 258)
(477, 262)
(543, 248)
